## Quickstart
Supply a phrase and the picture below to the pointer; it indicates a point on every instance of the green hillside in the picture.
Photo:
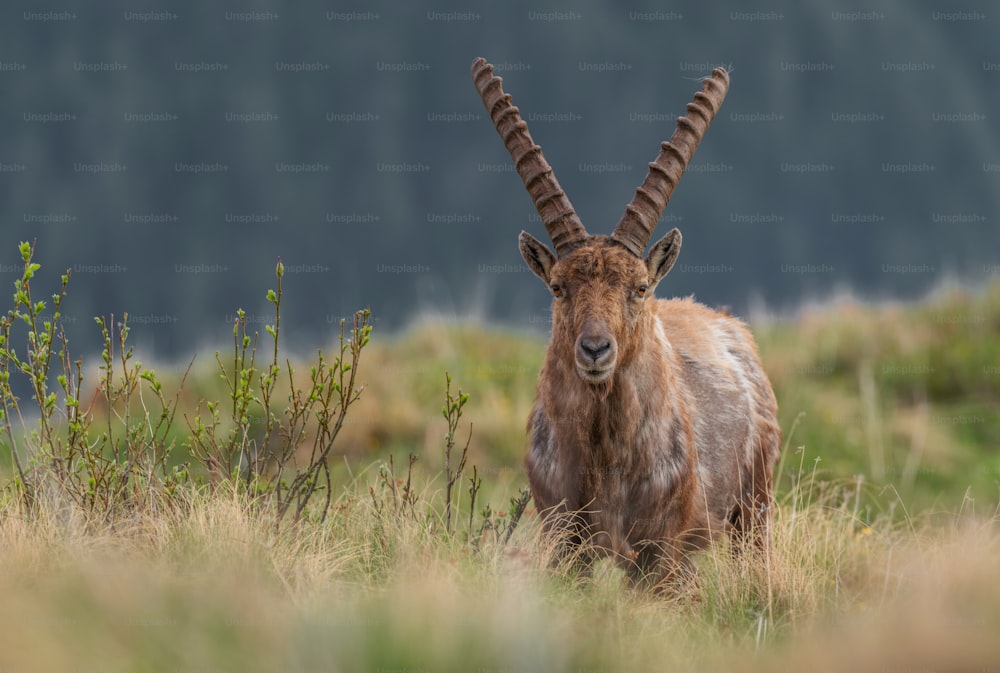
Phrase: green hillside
(904, 396)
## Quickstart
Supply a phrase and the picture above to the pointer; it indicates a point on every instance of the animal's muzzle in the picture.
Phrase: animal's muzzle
(596, 352)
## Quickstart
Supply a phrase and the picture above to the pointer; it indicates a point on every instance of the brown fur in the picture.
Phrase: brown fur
(677, 444)
(654, 428)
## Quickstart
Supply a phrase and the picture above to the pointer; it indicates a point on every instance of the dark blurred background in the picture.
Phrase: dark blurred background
(169, 153)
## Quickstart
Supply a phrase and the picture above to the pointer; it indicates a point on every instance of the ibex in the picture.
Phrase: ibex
(654, 427)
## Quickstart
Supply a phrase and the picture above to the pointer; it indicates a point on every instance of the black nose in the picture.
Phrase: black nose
(594, 348)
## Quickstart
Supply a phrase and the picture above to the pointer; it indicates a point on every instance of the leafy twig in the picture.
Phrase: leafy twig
(452, 412)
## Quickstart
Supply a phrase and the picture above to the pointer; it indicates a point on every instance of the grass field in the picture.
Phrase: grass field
(886, 536)
(209, 586)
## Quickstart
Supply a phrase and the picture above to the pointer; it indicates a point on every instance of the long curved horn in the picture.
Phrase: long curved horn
(560, 220)
(642, 214)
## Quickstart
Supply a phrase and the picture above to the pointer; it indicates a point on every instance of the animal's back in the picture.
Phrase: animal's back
(729, 398)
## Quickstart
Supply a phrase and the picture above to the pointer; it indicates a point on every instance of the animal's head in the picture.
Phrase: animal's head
(601, 285)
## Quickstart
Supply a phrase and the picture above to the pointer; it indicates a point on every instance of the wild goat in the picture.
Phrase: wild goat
(654, 427)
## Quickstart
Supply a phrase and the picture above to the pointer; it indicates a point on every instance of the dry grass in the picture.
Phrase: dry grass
(211, 586)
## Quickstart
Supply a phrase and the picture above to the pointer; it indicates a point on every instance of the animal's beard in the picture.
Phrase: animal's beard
(601, 390)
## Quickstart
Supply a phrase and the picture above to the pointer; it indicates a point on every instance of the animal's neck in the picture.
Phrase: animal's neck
(601, 423)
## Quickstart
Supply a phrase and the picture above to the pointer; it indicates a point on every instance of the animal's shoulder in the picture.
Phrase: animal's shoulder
(700, 332)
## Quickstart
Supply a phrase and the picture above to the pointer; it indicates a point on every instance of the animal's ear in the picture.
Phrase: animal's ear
(662, 256)
(537, 255)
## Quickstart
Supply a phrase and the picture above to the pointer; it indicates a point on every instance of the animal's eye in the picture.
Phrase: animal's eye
(557, 291)
(641, 291)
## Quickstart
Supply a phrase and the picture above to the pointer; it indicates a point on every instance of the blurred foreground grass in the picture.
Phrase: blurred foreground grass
(210, 586)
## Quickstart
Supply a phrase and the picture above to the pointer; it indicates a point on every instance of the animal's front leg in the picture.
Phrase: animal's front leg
(568, 540)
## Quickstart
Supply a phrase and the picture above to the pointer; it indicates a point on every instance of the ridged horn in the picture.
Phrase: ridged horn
(642, 214)
(560, 220)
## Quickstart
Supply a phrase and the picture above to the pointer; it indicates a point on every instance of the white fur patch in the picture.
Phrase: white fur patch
(729, 346)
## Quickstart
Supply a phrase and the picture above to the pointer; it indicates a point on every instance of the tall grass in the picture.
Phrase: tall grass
(906, 395)
(212, 586)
